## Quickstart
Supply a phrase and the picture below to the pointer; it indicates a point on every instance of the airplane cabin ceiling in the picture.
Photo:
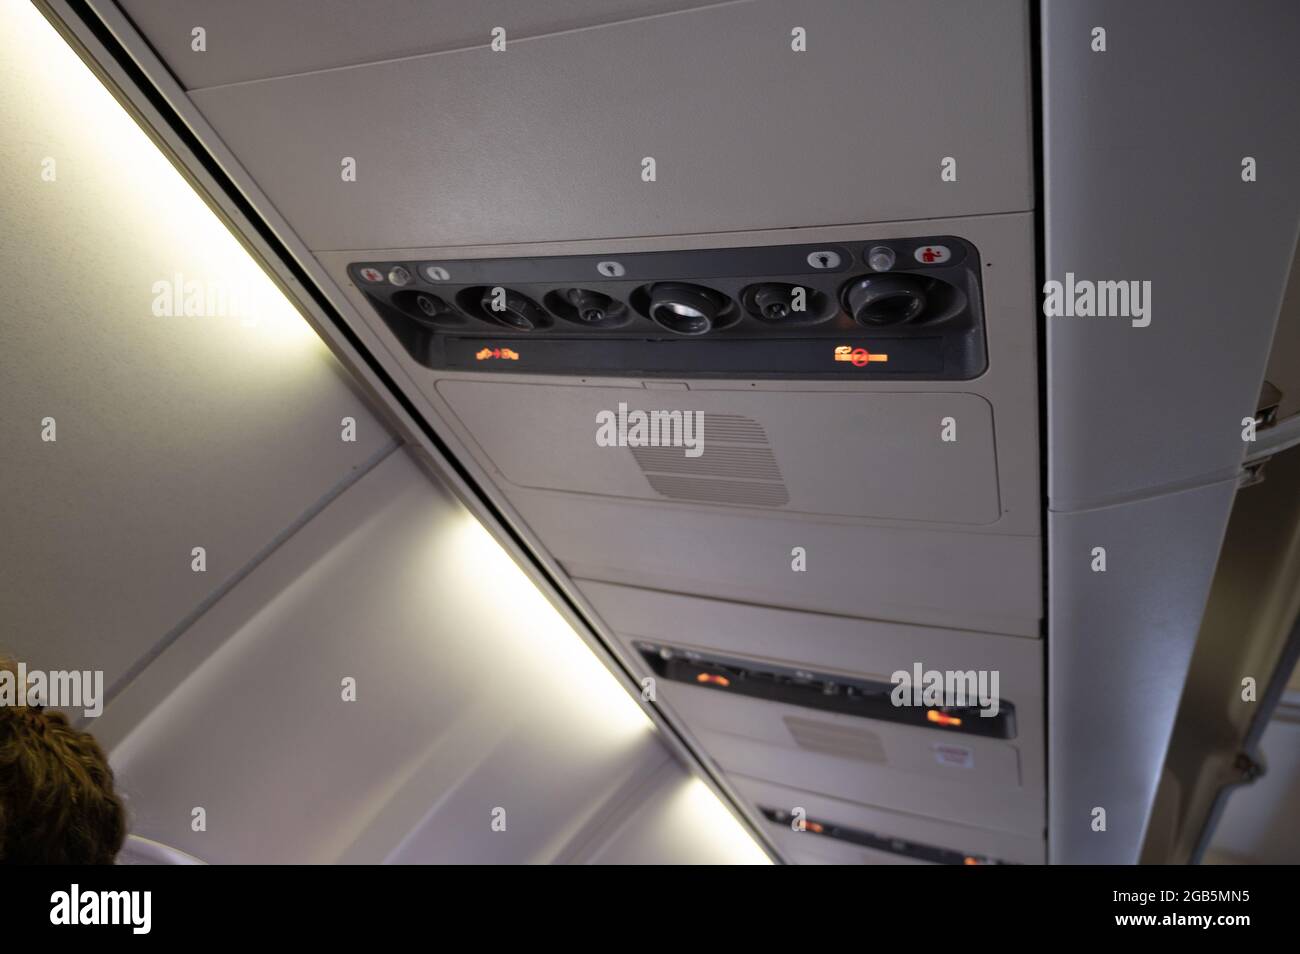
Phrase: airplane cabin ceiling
(517, 220)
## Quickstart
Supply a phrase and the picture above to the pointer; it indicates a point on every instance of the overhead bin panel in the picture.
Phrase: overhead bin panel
(961, 580)
(253, 39)
(549, 138)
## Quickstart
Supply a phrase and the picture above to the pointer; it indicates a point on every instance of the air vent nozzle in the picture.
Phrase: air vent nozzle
(503, 306)
(427, 309)
(779, 303)
(586, 307)
(899, 298)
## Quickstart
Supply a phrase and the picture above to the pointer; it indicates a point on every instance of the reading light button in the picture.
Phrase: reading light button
(824, 259)
(399, 276)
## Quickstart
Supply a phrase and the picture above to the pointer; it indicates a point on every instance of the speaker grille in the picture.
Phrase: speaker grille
(835, 740)
(752, 463)
(741, 472)
(734, 428)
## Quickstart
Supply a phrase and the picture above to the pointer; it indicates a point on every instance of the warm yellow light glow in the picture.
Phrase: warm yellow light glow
(728, 841)
(109, 170)
(545, 641)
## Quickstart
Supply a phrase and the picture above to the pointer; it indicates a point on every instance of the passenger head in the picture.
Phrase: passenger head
(57, 804)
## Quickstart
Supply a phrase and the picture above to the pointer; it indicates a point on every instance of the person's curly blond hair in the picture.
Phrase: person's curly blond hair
(57, 802)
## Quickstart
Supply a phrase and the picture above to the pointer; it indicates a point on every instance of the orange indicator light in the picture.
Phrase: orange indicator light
(858, 357)
(940, 718)
(713, 679)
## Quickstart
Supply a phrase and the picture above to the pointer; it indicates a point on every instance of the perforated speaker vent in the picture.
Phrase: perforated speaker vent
(750, 463)
(737, 466)
(735, 428)
(845, 743)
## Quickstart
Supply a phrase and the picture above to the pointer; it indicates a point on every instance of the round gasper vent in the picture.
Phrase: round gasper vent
(503, 306)
(686, 309)
(583, 306)
(778, 303)
(427, 309)
(898, 298)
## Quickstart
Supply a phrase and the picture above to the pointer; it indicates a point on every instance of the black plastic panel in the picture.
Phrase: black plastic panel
(770, 312)
(827, 693)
